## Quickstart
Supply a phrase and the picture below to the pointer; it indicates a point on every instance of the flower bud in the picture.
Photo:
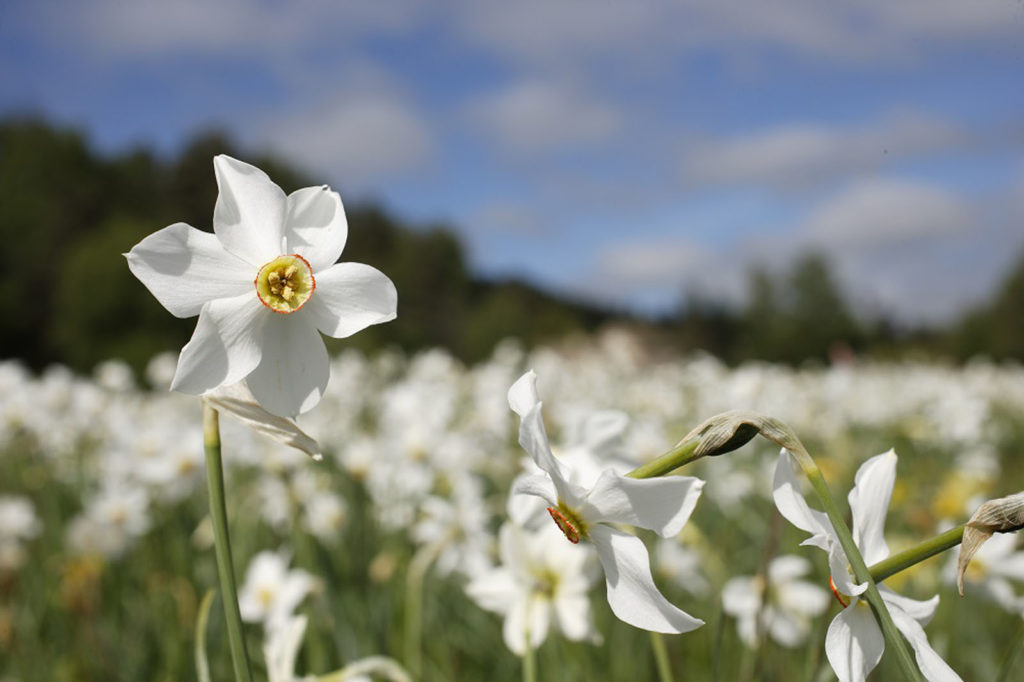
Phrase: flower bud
(1004, 515)
(732, 430)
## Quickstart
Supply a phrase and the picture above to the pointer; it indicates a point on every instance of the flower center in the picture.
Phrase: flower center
(285, 283)
(568, 523)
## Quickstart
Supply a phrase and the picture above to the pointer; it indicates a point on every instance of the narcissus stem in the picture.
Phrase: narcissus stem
(222, 543)
(680, 455)
(916, 554)
(661, 657)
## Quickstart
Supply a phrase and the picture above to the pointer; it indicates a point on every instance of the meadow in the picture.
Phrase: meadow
(106, 550)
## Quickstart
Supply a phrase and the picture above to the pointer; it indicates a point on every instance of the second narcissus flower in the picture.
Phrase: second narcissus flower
(593, 513)
(265, 284)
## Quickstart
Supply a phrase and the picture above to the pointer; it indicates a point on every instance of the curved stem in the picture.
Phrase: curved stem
(916, 554)
(413, 626)
(222, 543)
(683, 453)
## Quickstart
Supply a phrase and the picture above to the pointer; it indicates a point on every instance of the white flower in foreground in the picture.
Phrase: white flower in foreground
(854, 643)
(780, 604)
(262, 284)
(542, 580)
(271, 592)
(659, 504)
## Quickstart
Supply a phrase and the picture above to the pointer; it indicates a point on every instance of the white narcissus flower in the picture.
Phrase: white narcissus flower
(542, 580)
(780, 603)
(271, 592)
(659, 504)
(854, 643)
(263, 284)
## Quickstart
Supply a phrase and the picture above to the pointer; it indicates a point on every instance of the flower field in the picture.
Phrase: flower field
(403, 543)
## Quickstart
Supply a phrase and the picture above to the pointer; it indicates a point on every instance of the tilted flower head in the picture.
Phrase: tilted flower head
(263, 284)
(660, 504)
(854, 643)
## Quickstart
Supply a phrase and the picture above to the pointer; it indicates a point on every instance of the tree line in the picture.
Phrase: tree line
(67, 213)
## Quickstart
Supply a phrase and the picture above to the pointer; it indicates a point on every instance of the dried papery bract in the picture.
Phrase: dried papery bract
(732, 430)
(1003, 515)
(238, 401)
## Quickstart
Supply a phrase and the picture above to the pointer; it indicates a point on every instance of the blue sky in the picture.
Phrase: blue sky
(621, 151)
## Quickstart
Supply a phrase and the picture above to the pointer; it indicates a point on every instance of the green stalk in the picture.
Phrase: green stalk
(893, 639)
(680, 455)
(916, 554)
(529, 662)
(413, 625)
(661, 657)
(222, 543)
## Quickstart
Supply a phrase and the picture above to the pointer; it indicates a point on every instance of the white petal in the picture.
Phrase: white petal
(838, 566)
(869, 503)
(921, 611)
(632, 594)
(350, 297)
(225, 346)
(800, 596)
(281, 648)
(293, 373)
(539, 485)
(523, 399)
(931, 664)
(315, 226)
(249, 215)
(785, 627)
(523, 396)
(238, 401)
(602, 428)
(787, 567)
(659, 504)
(526, 624)
(184, 268)
(854, 643)
(572, 613)
(741, 597)
(494, 591)
(791, 504)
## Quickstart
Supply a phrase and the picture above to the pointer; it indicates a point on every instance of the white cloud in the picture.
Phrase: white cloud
(883, 213)
(535, 116)
(802, 154)
(358, 138)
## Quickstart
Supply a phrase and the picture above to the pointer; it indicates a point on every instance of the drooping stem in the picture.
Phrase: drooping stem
(661, 657)
(916, 554)
(222, 543)
(680, 455)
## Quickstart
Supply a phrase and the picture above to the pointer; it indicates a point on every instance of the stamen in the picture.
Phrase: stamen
(572, 533)
(285, 283)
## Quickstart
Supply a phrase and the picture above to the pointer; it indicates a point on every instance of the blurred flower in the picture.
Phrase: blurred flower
(541, 581)
(993, 569)
(271, 592)
(661, 504)
(281, 648)
(111, 521)
(18, 523)
(262, 285)
(854, 643)
(780, 603)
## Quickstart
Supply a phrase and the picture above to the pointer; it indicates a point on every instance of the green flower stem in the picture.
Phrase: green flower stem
(680, 455)
(529, 663)
(413, 625)
(893, 639)
(661, 657)
(916, 554)
(222, 543)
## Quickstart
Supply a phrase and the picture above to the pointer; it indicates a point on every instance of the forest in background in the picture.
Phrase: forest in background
(67, 213)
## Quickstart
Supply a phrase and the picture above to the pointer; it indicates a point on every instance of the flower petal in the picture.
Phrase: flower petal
(248, 218)
(659, 504)
(931, 664)
(494, 590)
(869, 503)
(525, 402)
(526, 624)
(539, 485)
(572, 613)
(793, 506)
(184, 268)
(921, 611)
(315, 226)
(350, 297)
(225, 346)
(854, 643)
(238, 401)
(632, 594)
(293, 373)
